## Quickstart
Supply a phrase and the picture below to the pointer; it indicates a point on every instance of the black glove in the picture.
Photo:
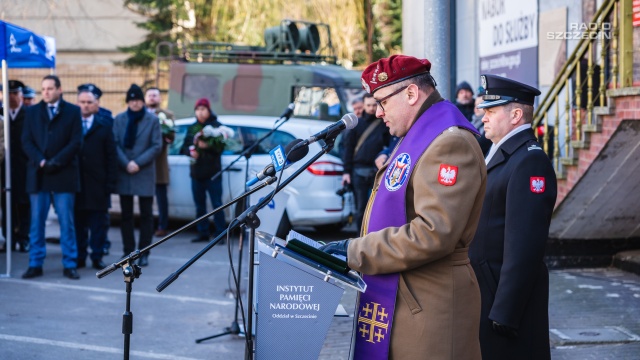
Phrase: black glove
(337, 247)
(50, 167)
(505, 330)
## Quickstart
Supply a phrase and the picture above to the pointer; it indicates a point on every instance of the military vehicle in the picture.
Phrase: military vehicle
(297, 65)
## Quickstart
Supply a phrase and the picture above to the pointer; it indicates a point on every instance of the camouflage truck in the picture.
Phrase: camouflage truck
(252, 80)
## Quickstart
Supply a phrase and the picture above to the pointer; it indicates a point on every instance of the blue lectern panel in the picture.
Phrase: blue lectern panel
(295, 310)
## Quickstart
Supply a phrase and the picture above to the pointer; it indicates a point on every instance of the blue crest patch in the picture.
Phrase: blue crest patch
(397, 172)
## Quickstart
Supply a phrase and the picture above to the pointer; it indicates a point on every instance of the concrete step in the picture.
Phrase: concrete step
(628, 261)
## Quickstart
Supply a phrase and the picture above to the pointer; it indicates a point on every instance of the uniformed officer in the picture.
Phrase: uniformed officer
(107, 116)
(28, 96)
(508, 248)
(20, 206)
(98, 94)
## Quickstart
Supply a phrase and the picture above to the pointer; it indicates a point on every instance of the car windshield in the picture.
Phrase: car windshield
(243, 138)
(324, 103)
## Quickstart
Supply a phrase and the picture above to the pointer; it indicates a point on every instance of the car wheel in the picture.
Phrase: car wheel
(284, 227)
(328, 228)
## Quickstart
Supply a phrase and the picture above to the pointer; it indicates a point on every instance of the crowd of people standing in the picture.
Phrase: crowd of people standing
(75, 156)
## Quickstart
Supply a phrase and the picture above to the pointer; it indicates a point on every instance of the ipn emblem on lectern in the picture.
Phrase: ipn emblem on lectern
(372, 322)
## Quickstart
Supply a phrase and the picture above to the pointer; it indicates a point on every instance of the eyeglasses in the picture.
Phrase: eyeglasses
(379, 102)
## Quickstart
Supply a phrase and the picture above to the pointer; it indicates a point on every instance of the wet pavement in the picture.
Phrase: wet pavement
(593, 312)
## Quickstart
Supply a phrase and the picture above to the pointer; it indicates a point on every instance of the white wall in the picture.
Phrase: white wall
(85, 25)
(467, 67)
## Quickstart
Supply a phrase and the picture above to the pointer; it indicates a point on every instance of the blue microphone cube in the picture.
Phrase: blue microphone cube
(277, 157)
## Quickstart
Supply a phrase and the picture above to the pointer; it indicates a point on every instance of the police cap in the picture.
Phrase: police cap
(15, 86)
(28, 92)
(500, 91)
(90, 88)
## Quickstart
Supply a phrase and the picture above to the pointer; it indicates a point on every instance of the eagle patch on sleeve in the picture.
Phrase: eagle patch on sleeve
(448, 174)
(537, 184)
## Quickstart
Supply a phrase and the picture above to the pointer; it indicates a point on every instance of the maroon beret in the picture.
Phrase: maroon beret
(391, 70)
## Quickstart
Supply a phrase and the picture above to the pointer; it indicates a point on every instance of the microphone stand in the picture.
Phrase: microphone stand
(251, 149)
(131, 271)
(234, 329)
(248, 218)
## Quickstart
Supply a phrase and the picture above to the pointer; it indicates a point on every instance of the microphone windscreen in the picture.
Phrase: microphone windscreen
(298, 153)
(351, 120)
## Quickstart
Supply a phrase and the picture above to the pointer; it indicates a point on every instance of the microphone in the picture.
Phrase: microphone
(288, 111)
(278, 155)
(349, 121)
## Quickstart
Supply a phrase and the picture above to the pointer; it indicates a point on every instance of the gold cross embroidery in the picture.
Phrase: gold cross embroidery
(372, 327)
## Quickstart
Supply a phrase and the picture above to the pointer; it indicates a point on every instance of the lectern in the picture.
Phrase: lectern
(296, 300)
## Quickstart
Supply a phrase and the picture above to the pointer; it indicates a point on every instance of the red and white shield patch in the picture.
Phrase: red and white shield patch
(448, 174)
(537, 184)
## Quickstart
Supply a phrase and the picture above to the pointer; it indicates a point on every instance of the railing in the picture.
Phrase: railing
(602, 59)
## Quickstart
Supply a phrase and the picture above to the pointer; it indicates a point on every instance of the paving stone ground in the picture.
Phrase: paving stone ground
(52, 317)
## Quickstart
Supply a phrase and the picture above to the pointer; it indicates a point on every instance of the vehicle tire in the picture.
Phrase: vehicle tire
(329, 228)
(284, 227)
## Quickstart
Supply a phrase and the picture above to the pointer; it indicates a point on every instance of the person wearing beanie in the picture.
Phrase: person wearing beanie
(139, 141)
(422, 299)
(464, 100)
(206, 163)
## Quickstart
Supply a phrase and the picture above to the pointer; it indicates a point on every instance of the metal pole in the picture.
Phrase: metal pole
(7, 164)
(437, 43)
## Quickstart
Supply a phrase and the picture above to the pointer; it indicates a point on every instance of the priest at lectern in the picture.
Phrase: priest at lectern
(422, 298)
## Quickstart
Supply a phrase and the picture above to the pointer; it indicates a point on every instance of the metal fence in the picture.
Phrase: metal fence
(113, 81)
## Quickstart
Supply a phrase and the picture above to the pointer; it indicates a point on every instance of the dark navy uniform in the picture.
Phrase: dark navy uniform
(508, 248)
(106, 116)
(20, 205)
(105, 113)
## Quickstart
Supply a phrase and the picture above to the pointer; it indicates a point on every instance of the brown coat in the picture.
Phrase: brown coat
(437, 311)
(162, 161)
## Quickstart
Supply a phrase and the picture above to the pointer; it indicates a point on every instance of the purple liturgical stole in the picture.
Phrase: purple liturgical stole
(377, 305)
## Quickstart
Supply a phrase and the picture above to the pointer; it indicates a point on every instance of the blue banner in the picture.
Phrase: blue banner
(22, 48)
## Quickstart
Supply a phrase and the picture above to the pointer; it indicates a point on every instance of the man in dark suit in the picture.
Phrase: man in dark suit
(106, 115)
(52, 139)
(97, 179)
(20, 213)
(508, 248)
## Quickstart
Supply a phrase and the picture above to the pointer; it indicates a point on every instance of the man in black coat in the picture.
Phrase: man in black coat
(97, 178)
(508, 248)
(361, 146)
(52, 139)
(20, 209)
(464, 100)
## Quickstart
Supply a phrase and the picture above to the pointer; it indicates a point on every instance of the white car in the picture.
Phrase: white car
(312, 195)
